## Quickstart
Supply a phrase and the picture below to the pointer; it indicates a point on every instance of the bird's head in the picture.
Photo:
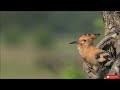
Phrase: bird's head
(85, 40)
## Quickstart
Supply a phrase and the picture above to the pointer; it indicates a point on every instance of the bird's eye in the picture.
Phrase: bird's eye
(84, 40)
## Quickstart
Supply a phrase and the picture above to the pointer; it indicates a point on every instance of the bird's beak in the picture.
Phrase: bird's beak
(74, 42)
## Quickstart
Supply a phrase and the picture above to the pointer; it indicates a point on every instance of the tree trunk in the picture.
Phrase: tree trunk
(112, 28)
(110, 43)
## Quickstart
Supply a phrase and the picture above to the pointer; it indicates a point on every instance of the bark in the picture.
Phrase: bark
(112, 28)
(110, 43)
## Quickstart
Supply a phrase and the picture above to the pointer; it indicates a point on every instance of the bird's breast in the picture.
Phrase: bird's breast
(88, 54)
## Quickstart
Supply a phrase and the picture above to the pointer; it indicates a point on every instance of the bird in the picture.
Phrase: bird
(92, 55)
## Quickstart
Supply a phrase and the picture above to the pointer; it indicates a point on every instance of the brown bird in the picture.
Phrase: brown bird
(91, 54)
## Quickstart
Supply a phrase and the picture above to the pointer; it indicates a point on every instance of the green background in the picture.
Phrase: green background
(35, 44)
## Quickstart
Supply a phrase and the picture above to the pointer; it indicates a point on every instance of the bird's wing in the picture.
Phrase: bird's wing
(108, 44)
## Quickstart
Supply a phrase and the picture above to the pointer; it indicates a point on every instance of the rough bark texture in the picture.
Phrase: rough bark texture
(110, 43)
(112, 28)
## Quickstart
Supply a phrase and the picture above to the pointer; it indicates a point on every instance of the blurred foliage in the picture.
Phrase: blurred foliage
(98, 23)
(42, 37)
(72, 71)
(48, 24)
(46, 29)
(12, 35)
